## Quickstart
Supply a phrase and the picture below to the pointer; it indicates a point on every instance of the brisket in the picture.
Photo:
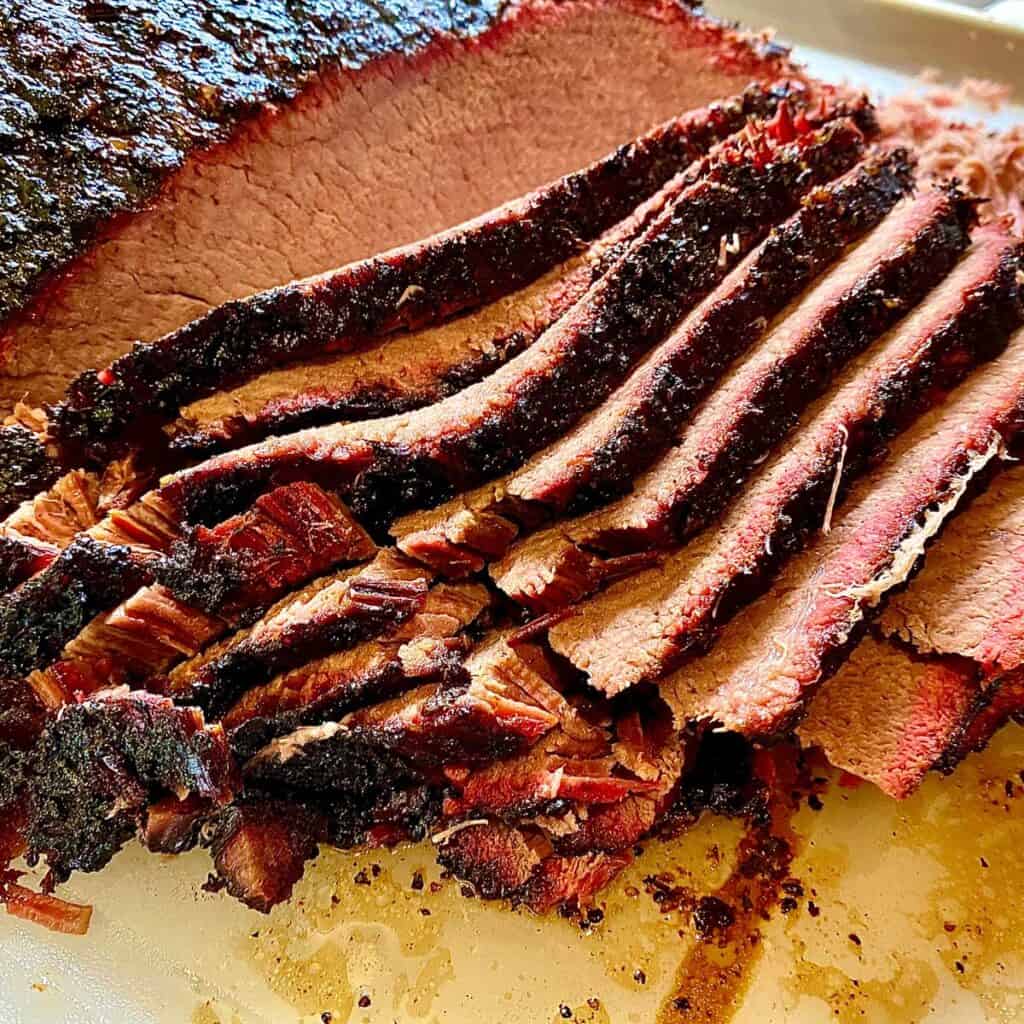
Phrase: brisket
(501, 862)
(953, 660)
(494, 425)
(100, 763)
(164, 160)
(421, 648)
(776, 652)
(331, 615)
(693, 592)
(890, 716)
(601, 455)
(289, 536)
(732, 430)
(411, 287)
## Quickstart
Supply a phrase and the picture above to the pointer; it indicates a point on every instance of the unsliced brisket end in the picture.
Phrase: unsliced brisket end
(968, 598)
(693, 593)
(889, 716)
(774, 654)
(329, 616)
(410, 287)
(629, 431)
(423, 647)
(409, 461)
(290, 535)
(100, 763)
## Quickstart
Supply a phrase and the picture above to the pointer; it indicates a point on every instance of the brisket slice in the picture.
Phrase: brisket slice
(775, 653)
(290, 535)
(411, 287)
(502, 862)
(291, 144)
(260, 849)
(889, 716)
(332, 614)
(968, 599)
(953, 660)
(685, 600)
(403, 373)
(494, 425)
(608, 447)
(756, 402)
(421, 648)
(493, 705)
(99, 764)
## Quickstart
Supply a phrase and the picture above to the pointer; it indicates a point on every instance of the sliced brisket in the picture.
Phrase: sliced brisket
(411, 287)
(757, 401)
(192, 156)
(330, 615)
(691, 595)
(774, 654)
(421, 648)
(494, 425)
(607, 448)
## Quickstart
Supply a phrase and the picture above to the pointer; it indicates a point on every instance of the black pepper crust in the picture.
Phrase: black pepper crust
(101, 762)
(26, 466)
(670, 271)
(102, 101)
(413, 287)
(44, 613)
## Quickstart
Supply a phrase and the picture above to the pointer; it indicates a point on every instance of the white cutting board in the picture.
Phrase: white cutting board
(924, 884)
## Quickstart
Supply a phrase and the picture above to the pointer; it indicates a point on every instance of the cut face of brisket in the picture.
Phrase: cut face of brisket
(693, 592)
(494, 425)
(101, 761)
(330, 615)
(775, 653)
(608, 447)
(407, 288)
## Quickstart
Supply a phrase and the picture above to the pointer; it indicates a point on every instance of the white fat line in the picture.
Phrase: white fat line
(286, 747)
(439, 838)
(826, 526)
(912, 547)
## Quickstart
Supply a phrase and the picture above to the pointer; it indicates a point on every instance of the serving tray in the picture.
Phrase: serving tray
(905, 912)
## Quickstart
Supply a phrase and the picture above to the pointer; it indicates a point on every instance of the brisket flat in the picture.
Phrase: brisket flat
(494, 425)
(776, 652)
(607, 448)
(320, 129)
(688, 598)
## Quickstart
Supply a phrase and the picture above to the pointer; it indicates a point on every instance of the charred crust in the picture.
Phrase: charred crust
(98, 765)
(26, 467)
(44, 613)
